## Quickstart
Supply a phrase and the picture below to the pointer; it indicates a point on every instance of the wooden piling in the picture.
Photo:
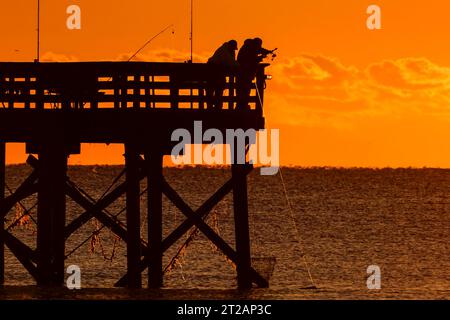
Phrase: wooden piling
(51, 214)
(133, 216)
(154, 180)
(242, 236)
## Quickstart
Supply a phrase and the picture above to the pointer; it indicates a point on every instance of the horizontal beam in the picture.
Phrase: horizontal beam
(110, 69)
(25, 86)
(111, 97)
(118, 125)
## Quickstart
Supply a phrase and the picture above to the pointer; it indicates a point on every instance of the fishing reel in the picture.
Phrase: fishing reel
(271, 53)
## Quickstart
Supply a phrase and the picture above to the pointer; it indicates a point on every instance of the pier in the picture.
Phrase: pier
(55, 107)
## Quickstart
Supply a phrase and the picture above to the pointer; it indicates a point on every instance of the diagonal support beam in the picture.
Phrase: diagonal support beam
(95, 210)
(201, 212)
(210, 233)
(92, 209)
(26, 189)
(22, 252)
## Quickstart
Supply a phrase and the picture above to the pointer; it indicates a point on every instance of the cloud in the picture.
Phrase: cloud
(331, 93)
(57, 57)
(410, 74)
(317, 90)
(162, 55)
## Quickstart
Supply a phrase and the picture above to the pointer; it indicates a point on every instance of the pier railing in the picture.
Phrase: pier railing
(92, 85)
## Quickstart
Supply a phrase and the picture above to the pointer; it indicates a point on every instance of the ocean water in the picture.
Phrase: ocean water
(341, 221)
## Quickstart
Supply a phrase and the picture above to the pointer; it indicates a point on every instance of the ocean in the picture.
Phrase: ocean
(339, 222)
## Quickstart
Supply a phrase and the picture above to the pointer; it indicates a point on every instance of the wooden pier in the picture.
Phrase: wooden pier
(54, 107)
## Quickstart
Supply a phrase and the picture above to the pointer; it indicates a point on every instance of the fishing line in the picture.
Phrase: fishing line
(149, 41)
(299, 239)
(100, 229)
(145, 45)
(27, 212)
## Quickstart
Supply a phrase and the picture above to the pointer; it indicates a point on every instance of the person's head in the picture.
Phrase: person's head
(248, 42)
(258, 42)
(232, 45)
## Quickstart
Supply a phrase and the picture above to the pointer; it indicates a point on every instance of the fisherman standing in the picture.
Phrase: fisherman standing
(249, 56)
(224, 58)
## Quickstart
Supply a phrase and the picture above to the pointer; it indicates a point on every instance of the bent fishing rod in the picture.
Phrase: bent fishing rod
(149, 41)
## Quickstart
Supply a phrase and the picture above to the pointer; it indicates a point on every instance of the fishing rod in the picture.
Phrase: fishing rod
(38, 48)
(191, 38)
(149, 41)
(143, 47)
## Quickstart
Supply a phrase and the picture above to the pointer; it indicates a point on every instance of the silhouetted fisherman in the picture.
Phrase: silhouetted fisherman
(224, 58)
(249, 56)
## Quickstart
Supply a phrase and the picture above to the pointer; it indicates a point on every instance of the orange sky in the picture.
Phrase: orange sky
(342, 95)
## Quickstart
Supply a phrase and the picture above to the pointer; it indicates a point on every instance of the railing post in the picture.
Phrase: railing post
(116, 89)
(231, 91)
(147, 91)
(26, 92)
(153, 92)
(174, 91)
(124, 91)
(136, 91)
(96, 93)
(39, 92)
(201, 94)
(11, 92)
